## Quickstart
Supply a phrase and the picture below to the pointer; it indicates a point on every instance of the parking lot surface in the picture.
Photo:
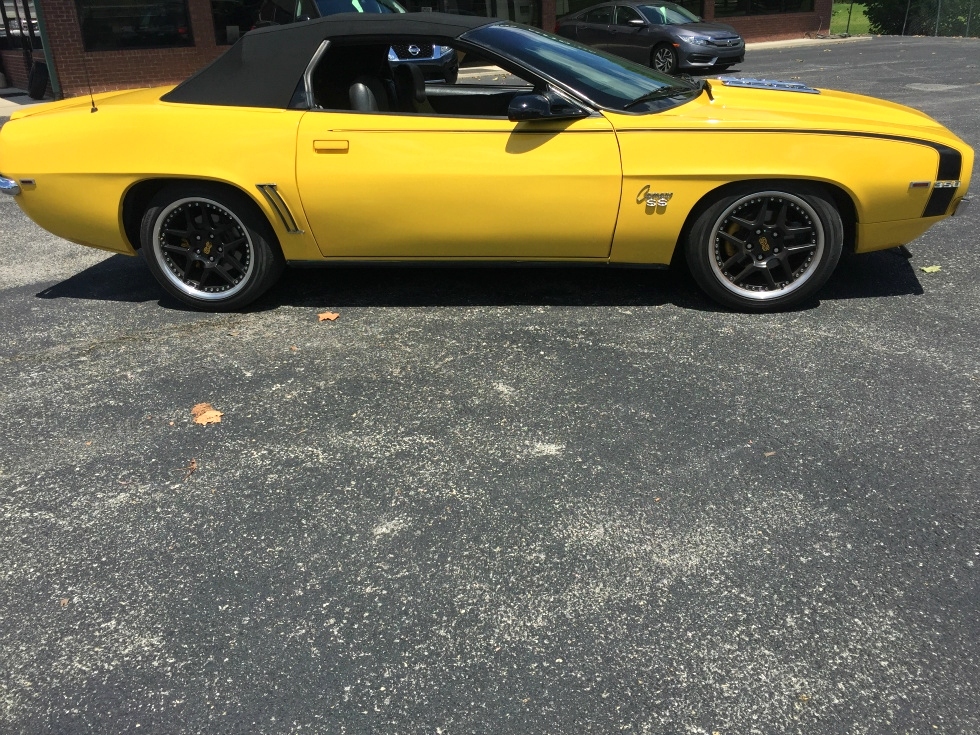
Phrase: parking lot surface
(500, 500)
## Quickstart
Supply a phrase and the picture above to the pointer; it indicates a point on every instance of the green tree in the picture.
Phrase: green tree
(918, 17)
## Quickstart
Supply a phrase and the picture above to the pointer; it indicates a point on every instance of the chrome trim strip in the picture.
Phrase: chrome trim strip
(308, 74)
(282, 209)
(773, 84)
(9, 186)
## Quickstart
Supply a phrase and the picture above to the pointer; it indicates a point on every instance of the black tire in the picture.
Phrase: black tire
(37, 81)
(209, 246)
(663, 58)
(765, 246)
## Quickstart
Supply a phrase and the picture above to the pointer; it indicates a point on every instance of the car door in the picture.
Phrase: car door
(630, 41)
(400, 185)
(594, 28)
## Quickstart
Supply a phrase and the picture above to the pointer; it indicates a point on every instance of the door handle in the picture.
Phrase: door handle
(331, 146)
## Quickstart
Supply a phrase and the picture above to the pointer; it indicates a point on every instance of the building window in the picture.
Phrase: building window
(111, 24)
(729, 8)
(18, 25)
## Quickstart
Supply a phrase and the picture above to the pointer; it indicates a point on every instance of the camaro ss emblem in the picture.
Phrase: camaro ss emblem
(658, 199)
(764, 244)
(414, 50)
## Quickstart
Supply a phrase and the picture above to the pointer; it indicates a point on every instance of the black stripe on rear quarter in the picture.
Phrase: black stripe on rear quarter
(950, 159)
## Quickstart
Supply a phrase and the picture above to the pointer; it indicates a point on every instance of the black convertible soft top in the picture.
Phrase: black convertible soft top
(263, 68)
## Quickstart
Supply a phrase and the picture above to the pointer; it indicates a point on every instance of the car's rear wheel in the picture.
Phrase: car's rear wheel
(664, 58)
(209, 246)
(765, 247)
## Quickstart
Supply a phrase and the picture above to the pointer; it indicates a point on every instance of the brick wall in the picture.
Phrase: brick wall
(779, 26)
(129, 68)
(14, 68)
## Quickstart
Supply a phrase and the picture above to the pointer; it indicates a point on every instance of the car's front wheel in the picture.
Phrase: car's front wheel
(209, 246)
(761, 248)
(664, 59)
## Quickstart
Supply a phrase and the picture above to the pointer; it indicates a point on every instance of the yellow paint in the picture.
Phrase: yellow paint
(449, 187)
(393, 186)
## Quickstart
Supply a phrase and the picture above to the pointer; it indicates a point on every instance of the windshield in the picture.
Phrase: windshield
(608, 81)
(668, 14)
(332, 7)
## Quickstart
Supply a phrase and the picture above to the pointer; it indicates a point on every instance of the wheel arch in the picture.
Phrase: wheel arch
(138, 197)
(841, 198)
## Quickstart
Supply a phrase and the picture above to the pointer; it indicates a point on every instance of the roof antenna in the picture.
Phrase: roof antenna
(88, 81)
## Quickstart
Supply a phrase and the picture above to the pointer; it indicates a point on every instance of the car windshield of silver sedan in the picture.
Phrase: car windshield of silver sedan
(668, 14)
(605, 80)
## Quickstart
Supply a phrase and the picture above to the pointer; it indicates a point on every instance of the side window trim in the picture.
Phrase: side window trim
(308, 74)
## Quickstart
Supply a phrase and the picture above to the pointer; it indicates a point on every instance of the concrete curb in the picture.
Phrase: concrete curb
(793, 42)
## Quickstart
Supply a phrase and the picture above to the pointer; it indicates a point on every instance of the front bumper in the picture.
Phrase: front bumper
(702, 57)
(9, 186)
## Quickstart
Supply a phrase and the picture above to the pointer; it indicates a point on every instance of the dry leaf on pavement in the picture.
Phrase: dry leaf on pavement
(205, 413)
(931, 268)
(328, 316)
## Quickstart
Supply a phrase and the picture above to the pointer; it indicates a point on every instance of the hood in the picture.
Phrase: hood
(738, 107)
(708, 29)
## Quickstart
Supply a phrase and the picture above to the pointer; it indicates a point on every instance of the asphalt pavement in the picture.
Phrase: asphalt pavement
(499, 500)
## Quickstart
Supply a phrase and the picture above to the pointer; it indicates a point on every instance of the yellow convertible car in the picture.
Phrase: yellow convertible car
(312, 142)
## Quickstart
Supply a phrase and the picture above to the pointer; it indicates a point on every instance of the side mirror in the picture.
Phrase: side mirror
(636, 23)
(526, 107)
(536, 106)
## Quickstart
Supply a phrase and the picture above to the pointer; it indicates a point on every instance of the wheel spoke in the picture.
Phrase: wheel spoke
(173, 231)
(786, 269)
(780, 222)
(237, 242)
(760, 218)
(790, 232)
(734, 260)
(224, 274)
(769, 279)
(236, 264)
(732, 239)
(793, 249)
(741, 276)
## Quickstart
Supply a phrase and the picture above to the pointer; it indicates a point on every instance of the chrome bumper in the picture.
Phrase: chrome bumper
(9, 186)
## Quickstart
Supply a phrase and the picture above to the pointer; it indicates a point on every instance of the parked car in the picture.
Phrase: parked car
(558, 153)
(663, 35)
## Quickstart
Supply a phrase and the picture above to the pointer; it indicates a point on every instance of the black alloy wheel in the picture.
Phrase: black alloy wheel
(209, 246)
(763, 248)
(663, 58)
